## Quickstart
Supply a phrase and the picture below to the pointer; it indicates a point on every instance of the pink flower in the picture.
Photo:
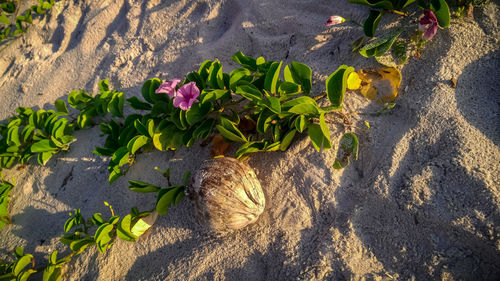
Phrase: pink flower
(333, 20)
(168, 87)
(428, 24)
(186, 96)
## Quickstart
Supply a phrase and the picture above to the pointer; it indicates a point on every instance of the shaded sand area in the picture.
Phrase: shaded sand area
(421, 203)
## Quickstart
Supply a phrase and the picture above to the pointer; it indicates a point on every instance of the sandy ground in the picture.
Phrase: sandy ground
(421, 203)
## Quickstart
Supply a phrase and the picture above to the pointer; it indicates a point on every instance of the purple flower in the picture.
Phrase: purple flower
(186, 96)
(168, 87)
(428, 24)
(333, 20)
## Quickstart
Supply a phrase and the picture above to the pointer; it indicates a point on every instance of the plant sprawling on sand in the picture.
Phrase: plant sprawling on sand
(251, 106)
(13, 24)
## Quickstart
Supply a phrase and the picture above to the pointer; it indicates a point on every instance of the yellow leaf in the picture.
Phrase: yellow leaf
(219, 146)
(144, 224)
(353, 81)
(381, 85)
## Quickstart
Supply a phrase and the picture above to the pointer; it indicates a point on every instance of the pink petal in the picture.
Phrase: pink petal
(178, 100)
(184, 105)
(168, 87)
(333, 20)
(186, 96)
(422, 27)
(430, 32)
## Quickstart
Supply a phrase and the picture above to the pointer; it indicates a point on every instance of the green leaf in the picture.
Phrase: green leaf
(4, 19)
(97, 219)
(327, 143)
(210, 95)
(166, 136)
(78, 246)
(350, 143)
(299, 73)
(21, 263)
(151, 127)
(285, 143)
(43, 146)
(103, 236)
(349, 147)
(179, 197)
(8, 7)
(317, 137)
(238, 75)
(371, 23)
(247, 62)
(198, 112)
(61, 106)
(264, 120)
(13, 136)
(196, 78)
(301, 123)
(203, 70)
(85, 117)
(231, 126)
(52, 273)
(215, 76)
(272, 77)
(166, 197)
(442, 12)
(186, 177)
(142, 187)
(46, 5)
(230, 135)
(120, 157)
(305, 109)
(136, 143)
(376, 4)
(287, 89)
(137, 104)
(141, 128)
(204, 129)
(380, 45)
(297, 101)
(273, 104)
(336, 85)
(115, 106)
(59, 127)
(44, 157)
(123, 229)
(104, 86)
(249, 148)
(249, 92)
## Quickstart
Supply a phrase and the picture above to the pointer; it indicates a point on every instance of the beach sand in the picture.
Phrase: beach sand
(422, 202)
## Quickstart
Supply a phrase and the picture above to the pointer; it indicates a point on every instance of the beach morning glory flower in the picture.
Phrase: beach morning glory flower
(168, 87)
(333, 20)
(428, 24)
(186, 96)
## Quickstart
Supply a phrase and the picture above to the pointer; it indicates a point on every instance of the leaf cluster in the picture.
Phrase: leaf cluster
(171, 195)
(40, 133)
(13, 25)
(20, 268)
(251, 105)
(379, 46)
(5, 188)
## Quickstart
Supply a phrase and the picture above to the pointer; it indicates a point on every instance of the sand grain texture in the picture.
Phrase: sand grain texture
(421, 203)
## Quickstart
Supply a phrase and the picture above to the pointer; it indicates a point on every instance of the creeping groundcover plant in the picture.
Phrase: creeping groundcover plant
(435, 15)
(251, 106)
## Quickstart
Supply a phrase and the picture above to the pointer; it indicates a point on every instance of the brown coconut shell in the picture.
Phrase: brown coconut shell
(226, 194)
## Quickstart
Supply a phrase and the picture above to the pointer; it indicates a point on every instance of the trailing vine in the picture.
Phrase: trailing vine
(250, 106)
